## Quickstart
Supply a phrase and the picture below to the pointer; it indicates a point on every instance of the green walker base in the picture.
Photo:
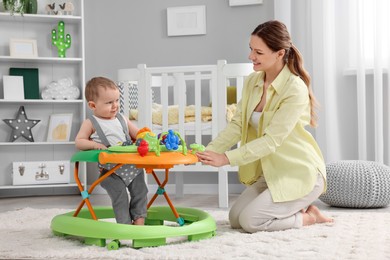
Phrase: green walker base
(197, 225)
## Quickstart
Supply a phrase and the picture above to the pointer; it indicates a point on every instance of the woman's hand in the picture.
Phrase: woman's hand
(212, 158)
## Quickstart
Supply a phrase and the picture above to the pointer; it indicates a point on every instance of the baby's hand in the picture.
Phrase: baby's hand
(98, 146)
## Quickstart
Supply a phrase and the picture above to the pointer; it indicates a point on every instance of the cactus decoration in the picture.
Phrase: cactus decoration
(59, 39)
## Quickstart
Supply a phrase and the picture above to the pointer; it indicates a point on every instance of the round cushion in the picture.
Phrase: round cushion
(357, 184)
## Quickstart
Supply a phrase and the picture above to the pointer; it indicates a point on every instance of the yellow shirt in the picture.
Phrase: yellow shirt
(281, 148)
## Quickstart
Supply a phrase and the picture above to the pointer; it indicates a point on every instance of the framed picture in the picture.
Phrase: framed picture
(59, 127)
(23, 48)
(13, 87)
(186, 20)
(244, 2)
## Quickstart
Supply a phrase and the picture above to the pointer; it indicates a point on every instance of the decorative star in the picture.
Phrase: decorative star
(21, 126)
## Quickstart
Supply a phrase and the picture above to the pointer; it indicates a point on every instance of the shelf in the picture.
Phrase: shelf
(50, 67)
(39, 18)
(38, 186)
(36, 143)
(42, 59)
(41, 101)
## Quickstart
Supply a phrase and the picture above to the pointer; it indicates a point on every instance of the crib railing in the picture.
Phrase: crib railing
(180, 86)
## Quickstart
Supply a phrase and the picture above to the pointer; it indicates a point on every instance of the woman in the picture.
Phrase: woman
(278, 158)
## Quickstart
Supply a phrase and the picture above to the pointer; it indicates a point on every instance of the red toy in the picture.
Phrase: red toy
(143, 148)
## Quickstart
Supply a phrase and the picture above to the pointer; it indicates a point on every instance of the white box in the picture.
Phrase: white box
(13, 87)
(46, 172)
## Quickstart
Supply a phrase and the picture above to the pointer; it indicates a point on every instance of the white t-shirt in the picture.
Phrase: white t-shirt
(112, 129)
(255, 118)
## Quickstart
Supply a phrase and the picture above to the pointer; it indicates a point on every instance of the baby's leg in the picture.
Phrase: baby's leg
(138, 199)
(116, 189)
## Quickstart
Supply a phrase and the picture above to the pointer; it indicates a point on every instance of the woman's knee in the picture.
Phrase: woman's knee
(246, 223)
(251, 223)
(233, 219)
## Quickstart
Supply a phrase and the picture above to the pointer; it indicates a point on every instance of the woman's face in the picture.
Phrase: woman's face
(262, 57)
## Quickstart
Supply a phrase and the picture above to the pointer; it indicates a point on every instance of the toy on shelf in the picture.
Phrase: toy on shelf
(50, 8)
(67, 8)
(60, 40)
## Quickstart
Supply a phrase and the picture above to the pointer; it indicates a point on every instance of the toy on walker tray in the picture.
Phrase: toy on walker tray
(147, 141)
(150, 152)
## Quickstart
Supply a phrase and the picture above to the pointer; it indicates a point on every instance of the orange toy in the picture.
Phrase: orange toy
(141, 133)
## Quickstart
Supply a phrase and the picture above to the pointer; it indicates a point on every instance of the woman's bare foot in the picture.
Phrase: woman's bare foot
(139, 221)
(308, 219)
(313, 215)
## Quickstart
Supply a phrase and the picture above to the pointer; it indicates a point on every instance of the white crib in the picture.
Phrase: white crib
(181, 94)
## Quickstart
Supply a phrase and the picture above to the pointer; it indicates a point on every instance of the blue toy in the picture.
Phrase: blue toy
(171, 140)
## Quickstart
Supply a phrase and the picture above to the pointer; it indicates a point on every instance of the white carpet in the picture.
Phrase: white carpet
(356, 234)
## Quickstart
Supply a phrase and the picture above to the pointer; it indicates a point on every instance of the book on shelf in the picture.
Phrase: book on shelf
(30, 81)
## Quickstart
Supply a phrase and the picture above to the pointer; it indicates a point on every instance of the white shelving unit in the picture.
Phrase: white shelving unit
(51, 68)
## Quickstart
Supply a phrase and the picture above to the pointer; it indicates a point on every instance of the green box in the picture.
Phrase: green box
(30, 81)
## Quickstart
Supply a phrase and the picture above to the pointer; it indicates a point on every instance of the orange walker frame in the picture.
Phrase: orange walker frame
(149, 162)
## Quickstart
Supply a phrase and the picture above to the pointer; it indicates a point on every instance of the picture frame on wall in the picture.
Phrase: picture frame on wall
(60, 126)
(244, 2)
(23, 48)
(186, 20)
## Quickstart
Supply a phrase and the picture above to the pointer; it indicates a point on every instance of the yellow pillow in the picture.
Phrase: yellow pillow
(231, 94)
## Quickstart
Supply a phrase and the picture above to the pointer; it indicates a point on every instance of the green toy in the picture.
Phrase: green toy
(59, 39)
(197, 148)
(152, 141)
(198, 225)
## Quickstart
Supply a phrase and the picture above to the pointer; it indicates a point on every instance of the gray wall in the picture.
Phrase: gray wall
(123, 33)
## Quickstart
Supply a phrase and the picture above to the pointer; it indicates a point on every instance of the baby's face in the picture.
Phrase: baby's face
(107, 105)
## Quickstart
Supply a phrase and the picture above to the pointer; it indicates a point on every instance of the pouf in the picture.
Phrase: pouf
(357, 184)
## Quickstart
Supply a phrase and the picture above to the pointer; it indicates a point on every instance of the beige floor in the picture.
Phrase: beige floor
(72, 201)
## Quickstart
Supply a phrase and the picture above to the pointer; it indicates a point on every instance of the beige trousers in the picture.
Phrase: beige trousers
(255, 210)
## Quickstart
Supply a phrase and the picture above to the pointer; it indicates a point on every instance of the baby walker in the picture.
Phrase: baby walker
(149, 152)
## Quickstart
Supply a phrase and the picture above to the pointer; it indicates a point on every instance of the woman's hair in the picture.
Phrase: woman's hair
(93, 86)
(276, 36)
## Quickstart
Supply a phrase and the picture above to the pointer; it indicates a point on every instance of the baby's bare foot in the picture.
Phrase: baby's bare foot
(315, 212)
